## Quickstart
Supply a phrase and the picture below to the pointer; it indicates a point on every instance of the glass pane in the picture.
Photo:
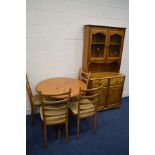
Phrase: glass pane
(114, 50)
(98, 38)
(97, 50)
(116, 39)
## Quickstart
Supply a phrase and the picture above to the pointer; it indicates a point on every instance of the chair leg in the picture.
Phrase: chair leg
(59, 132)
(42, 123)
(32, 115)
(66, 125)
(94, 123)
(45, 135)
(40, 129)
(78, 128)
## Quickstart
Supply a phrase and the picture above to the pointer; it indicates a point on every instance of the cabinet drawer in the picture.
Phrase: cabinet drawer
(116, 81)
(98, 82)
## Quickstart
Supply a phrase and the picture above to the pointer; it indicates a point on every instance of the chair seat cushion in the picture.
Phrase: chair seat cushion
(36, 100)
(86, 107)
(54, 116)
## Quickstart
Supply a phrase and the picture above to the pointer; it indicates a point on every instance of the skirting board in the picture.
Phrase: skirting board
(125, 94)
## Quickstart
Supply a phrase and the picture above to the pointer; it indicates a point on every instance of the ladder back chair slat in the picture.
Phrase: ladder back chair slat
(84, 76)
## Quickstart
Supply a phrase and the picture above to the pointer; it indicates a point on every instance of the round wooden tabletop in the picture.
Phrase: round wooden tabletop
(60, 85)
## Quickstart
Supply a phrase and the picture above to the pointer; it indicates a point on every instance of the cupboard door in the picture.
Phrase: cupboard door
(115, 45)
(114, 96)
(103, 100)
(98, 41)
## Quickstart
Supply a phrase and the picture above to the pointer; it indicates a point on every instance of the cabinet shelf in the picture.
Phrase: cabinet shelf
(114, 55)
(95, 60)
(115, 44)
(98, 43)
(102, 61)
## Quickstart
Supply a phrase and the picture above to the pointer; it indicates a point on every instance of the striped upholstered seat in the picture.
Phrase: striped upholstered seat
(87, 108)
(53, 117)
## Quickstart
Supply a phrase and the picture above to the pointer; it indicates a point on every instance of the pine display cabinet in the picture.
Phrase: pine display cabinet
(102, 54)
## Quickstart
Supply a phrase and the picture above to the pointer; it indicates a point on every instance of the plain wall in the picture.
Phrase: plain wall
(55, 36)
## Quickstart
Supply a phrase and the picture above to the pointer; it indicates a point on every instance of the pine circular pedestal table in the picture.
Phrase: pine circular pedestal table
(60, 85)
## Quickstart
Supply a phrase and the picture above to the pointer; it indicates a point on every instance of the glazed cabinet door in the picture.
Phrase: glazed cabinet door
(97, 44)
(115, 45)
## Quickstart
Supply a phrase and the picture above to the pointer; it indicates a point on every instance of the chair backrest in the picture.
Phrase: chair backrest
(87, 97)
(84, 76)
(55, 107)
(29, 91)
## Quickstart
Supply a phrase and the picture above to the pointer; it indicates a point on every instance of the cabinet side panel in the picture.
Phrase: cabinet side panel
(85, 49)
(122, 46)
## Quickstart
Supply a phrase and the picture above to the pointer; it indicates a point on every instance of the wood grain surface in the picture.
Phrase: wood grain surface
(60, 85)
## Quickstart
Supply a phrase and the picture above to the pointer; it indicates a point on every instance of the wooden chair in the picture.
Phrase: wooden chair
(86, 106)
(84, 76)
(54, 112)
(34, 99)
